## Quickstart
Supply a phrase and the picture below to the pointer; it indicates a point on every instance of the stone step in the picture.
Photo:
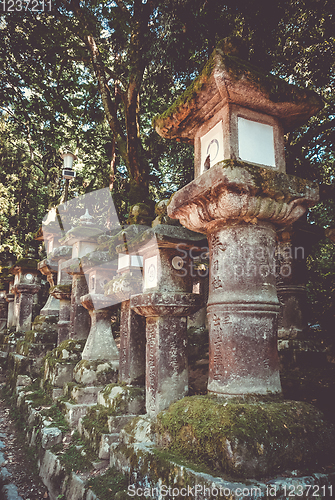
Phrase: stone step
(115, 424)
(124, 399)
(73, 412)
(58, 374)
(106, 441)
(82, 395)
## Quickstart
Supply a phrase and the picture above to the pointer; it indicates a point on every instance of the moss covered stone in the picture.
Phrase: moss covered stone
(27, 263)
(290, 102)
(61, 288)
(252, 438)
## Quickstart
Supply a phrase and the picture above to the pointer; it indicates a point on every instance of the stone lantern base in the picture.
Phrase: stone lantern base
(247, 437)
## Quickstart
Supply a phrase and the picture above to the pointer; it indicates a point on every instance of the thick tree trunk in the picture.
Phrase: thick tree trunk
(129, 146)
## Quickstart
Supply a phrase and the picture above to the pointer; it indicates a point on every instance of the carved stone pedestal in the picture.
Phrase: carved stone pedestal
(79, 316)
(100, 344)
(243, 203)
(166, 348)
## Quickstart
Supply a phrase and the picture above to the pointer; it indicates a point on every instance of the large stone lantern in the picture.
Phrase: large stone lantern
(236, 117)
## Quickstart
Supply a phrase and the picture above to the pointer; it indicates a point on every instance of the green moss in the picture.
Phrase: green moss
(49, 320)
(39, 398)
(190, 94)
(27, 263)
(61, 288)
(96, 419)
(29, 336)
(199, 428)
(57, 417)
(23, 347)
(277, 89)
(279, 186)
(75, 460)
(105, 486)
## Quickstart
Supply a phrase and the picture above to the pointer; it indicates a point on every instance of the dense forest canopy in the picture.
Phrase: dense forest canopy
(90, 76)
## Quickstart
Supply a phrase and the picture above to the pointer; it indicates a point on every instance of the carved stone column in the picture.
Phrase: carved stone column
(237, 206)
(166, 302)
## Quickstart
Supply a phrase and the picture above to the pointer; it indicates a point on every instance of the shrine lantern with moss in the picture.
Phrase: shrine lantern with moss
(233, 111)
(236, 116)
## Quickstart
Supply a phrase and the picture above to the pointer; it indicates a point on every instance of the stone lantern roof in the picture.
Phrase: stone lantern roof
(227, 79)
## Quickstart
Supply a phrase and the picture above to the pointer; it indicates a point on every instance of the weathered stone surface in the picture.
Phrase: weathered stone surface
(3, 314)
(9, 492)
(229, 80)
(166, 347)
(105, 443)
(242, 304)
(146, 469)
(294, 244)
(123, 399)
(25, 307)
(79, 316)
(132, 346)
(116, 423)
(50, 437)
(23, 380)
(140, 430)
(100, 344)
(256, 439)
(73, 412)
(237, 191)
(82, 395)
(75, 489)
(51, 473)
(96, 372)
(59, 373)
(4, 475)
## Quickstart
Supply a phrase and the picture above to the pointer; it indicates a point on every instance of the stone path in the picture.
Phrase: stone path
(17, 478)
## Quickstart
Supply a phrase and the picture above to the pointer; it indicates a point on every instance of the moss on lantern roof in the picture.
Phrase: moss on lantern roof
(274, 88)
(26, 263)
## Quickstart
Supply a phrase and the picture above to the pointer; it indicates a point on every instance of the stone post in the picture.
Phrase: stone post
(62, 292)
(241, 193)
(166, 302)
(132, 326)
(3, 311)
(83, 239)
(10, 315)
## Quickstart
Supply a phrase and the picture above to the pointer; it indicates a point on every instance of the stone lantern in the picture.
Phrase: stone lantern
(83, 239)
(166, 301)
(236, 117)
(50, 234)
(26, 285)
(129, 281)
(62, 291)
(100, 344)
